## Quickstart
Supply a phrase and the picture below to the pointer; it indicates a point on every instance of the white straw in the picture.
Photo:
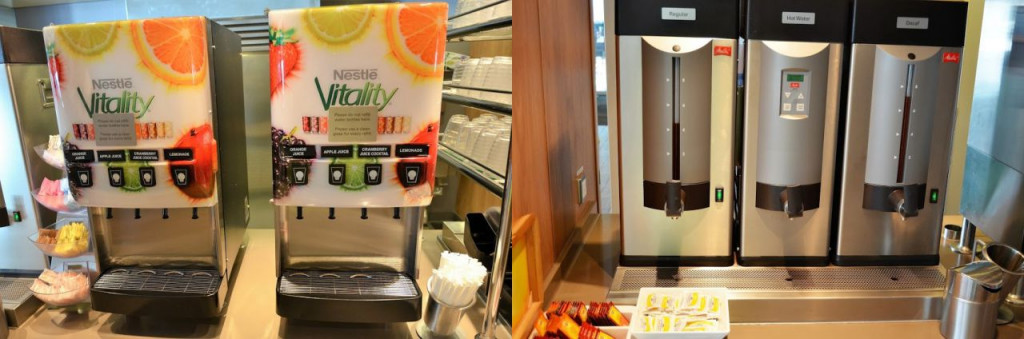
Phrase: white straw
(457, 279)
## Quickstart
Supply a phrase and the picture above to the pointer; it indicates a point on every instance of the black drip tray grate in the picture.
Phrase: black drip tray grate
(173, 281)
(351, 285)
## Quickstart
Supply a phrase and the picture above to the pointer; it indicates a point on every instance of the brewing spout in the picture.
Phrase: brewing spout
(792, 203)
(898, 199)
(674, 196)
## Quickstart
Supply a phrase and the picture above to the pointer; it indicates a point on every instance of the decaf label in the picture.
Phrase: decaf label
(143, 155)
(114, 129)
(80, 156)
(300, 152)
(412, 150)
(350, 124)
(178, 154)
(105, 156)
(374, 151)
(336, 151)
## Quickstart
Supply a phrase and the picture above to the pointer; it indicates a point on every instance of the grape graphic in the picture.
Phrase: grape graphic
(68, 166)
(281, 140)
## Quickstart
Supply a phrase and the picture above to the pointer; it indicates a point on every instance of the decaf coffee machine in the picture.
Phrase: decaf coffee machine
(354, 149)
(677, 76)
(151, 115)
(901, 104)
(793, 71)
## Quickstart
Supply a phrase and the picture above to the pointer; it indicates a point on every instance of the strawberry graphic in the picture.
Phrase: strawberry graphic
(284, 57)
(56, 69)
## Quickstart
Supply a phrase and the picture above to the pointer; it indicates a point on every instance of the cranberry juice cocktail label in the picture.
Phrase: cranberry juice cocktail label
(134, 109)
(355, 104)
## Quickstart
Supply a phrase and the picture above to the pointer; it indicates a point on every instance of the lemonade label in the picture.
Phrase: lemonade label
(136, 87)
(354, 82)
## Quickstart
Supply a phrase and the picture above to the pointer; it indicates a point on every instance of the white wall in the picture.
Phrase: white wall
(39, 16)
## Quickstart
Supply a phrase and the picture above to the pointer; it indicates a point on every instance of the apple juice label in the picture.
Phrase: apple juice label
(347, 85)
(129, 90)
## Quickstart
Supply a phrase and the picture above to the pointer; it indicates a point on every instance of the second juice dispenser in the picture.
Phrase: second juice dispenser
(155, 147)
(355, 110)
(793, 71)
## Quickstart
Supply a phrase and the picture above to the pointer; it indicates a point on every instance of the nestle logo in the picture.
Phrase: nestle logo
(355, 74)
(112, 83)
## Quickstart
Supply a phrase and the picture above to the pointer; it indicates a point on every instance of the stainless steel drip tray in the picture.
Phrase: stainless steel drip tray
(348, 296)
(18, 302)
(801, 294)
(158, 292)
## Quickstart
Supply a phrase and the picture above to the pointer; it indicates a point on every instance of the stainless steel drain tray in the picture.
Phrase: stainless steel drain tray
(347, 296)
(158, 292)
(18, 302)
(801, 294)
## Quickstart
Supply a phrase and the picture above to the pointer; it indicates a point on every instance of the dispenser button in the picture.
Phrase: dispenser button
(787, 94)
(411, 174)
(719, 194)
(300, 175)
(82, 177)
(116, 175)
(181, 175)
(147, 176)
(799, 107)
(786, 107)
(373, 174)
(336, 174)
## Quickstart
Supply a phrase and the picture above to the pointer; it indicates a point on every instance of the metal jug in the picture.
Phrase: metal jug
(972, 301)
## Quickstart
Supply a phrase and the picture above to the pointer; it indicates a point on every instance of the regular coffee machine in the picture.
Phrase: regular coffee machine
(151, 115)
(677, 76)
(793, 71)
(26, 120)
(354, 131)
(901, 104)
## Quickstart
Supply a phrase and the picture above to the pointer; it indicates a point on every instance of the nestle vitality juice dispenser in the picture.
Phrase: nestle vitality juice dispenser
(904, 73)
(793, 71)
(155, 145)
(677, 76)
(355, 106)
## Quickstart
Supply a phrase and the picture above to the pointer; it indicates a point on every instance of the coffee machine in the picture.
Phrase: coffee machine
(26, 120)
(151, 114)
(901, 105)
(677, 76)
(354, 134)
(793, 71)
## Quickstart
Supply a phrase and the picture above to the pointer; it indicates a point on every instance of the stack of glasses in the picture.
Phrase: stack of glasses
(490, 74)
(503, 9)
(484, 139)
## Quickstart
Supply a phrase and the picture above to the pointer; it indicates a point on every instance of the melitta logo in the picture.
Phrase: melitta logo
(953, 57)
(124, 102)
(342, 95)
(722, 50)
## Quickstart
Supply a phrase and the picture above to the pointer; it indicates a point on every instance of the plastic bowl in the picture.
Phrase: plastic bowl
(64, 297)
(53, 250)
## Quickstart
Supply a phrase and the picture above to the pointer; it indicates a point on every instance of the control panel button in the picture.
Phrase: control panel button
(116, 176)
(147, 176)
(799, 107)
(373, 174)
(181, 176)
(411, 174)
(786, 107)
(336, 174)
(299, 174)
(82, 177)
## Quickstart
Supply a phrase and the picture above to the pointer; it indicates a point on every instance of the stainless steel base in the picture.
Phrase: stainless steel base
(18, 302)
(802, 294)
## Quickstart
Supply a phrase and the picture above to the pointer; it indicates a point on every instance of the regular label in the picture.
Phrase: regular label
(798, 18)
(80, 156)
(336, 151)
(374, 151)
(117, 155)
(906, 22)
(677, 13)
(114, 129)
(143, 155)
(352, 124)
(412, 150)
(178, 154)
(301, 152)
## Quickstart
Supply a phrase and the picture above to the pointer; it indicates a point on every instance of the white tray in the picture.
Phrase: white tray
(636, 325)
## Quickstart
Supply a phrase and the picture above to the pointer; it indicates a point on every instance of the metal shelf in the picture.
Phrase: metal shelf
(492, 181)
(494, 29)
(483, 89)
(488, 105)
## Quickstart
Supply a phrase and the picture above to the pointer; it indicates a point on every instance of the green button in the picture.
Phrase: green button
(17, 216)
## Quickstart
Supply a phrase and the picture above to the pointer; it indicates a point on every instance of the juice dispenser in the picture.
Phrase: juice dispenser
(793, 70)
(677, 76)
(355, 110)
(26, 120)
(151, 114)
(901, 104)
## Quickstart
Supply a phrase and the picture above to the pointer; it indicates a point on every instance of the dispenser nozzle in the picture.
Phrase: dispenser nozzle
(674, 196)
(792, 203)
(898, 199)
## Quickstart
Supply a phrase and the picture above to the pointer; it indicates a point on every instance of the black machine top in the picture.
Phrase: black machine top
(681, 18)
(909, 22)
(21, 46)
(798, 20)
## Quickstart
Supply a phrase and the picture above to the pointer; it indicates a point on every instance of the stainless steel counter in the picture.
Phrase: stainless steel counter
(250, 312)
(592, 271)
